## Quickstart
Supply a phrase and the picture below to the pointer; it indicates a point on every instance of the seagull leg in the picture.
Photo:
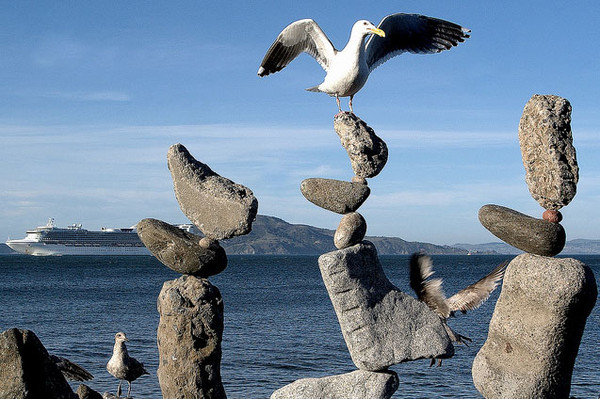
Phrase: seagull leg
(337, 100)
(129, 389)
(350, 103)
(119, 389)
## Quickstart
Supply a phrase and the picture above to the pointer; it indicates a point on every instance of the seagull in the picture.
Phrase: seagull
(469, 298)
(122, 366)
(71, 371)
(349, 69)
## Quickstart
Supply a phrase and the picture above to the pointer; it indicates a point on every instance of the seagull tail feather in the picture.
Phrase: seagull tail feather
(314, 88)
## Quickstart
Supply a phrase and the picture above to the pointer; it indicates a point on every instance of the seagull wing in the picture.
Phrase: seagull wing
(428, 291)
(298, 37)
(412, 33)
(71, 371)
(474, 295)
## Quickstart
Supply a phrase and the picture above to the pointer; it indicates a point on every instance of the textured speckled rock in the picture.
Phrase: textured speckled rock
(381, 325)
(536, 329)
(219, 207)
(189, 336)
(355, 385)
(537, 236)
(85, 392)
(368, 153)
(181, 251)
(350, 231)
(547, 150)
(335, 195)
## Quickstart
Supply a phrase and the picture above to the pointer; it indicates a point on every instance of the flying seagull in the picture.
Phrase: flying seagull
(430, 291)
(348, 69)
(123, 366)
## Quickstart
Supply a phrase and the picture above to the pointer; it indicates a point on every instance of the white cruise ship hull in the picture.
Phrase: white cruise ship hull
(43, 249)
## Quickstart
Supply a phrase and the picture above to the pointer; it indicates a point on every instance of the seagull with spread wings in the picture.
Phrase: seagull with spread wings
(348, 69)
(430, 291)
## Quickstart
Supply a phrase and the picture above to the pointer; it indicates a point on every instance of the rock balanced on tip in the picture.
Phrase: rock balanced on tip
(190, 330)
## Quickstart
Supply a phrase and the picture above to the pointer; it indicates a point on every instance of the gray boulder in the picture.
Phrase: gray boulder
(551, 170)
(355, 385)
(368, 153)
(536, 329)
(219, 207)
(85, 392)
(350, 231)
(335, 195)
(537, 236)
(26, 370)
(381, 325)
(181, 251)
(189, 336)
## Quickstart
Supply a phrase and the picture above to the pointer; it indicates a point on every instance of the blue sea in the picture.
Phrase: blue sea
(279, 322)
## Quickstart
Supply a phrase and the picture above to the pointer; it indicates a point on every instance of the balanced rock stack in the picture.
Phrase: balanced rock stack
(538, 322)
(190, 330)
(381, 325)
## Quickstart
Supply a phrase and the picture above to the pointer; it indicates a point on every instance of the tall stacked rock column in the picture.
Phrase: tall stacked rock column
(540, 316)
(381, 325)
(190, 329)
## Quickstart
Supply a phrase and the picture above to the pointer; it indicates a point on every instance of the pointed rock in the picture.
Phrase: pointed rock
(547, 150)
(335, 195)
(181, 251)
(537, 236)
(381, 325)
(536, 329)
(219, 207)
(368, 153)
(354, 385)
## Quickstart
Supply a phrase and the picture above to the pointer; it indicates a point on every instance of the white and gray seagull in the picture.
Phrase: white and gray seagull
(348, 69)
(123, 366)
(430, 292)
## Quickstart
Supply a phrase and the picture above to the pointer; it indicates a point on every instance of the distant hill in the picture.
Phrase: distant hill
(572, 247)
(273, 236)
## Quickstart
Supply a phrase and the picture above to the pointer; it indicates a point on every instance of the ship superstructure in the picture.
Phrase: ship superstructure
(75, 240)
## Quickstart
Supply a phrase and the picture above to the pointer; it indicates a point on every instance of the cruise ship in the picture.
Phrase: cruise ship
(75, 240)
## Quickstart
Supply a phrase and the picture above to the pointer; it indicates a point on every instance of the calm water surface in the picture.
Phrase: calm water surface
(279, 322)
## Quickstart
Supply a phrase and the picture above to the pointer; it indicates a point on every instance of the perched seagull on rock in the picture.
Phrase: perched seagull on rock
(122, 366)
(71, 371)
(349, 69)
(430, 292)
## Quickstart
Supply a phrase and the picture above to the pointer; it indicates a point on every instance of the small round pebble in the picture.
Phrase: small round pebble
(351, 230)
(552, 216)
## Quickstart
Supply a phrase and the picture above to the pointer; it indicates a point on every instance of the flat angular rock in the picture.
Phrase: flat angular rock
(368, 153)
(335, 195)
(26, 370)
(219, 207)
(536, 329)
(189, 336)
(381, 325)
(547, 150)
(355, 385)
(179, 250)
(351, 230)
(536, 236)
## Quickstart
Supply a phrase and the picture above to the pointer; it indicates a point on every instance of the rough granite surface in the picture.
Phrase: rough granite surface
(551, 169)
(350, 231)
(381, 325)
(219, 207)
(335, 195)
(355, 385)
(190, 332)
(536, 329)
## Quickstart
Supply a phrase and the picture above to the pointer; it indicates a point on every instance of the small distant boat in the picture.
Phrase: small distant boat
(75, 240)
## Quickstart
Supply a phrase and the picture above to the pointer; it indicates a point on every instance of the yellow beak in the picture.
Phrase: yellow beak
(378, 32)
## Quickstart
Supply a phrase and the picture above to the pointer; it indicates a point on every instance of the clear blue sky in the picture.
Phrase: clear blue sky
(93, 94)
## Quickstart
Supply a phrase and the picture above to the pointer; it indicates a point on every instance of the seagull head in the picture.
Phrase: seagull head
(364, 27)
(121, 337)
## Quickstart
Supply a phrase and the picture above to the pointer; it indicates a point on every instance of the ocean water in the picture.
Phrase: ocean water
(279, 322)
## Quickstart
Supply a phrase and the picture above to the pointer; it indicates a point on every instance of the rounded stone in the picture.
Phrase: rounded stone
(536, 236)
(181, 251)
(359, 179)
(335, 195)
(549, 158)
(552, 216)
(367, 152)
(350, 231)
